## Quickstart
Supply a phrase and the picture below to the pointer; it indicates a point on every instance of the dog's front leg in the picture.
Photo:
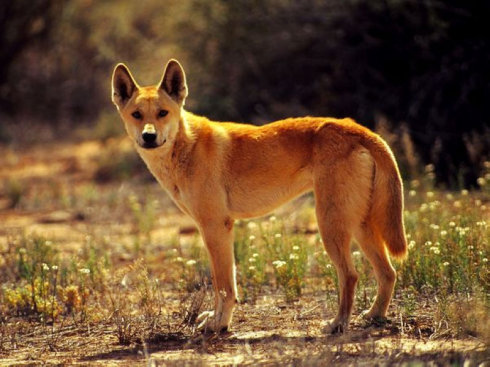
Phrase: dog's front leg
(218, 238)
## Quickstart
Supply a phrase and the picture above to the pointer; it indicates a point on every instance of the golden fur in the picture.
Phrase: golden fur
(217, 172)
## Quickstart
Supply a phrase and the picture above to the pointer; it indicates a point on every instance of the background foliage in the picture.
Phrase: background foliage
(420, 67)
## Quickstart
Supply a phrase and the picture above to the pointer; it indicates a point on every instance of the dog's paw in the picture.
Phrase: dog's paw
(368, 319)
(209, 323)
(336, 327)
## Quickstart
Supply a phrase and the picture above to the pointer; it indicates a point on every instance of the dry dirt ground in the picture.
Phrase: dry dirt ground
(268, 332)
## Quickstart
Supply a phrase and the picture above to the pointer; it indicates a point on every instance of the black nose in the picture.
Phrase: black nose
(149, 138)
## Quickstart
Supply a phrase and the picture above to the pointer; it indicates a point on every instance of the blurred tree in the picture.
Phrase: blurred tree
(423, 63)
(22, 24)
(62, 66)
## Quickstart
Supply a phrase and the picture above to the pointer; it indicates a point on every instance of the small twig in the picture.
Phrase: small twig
(303, 314)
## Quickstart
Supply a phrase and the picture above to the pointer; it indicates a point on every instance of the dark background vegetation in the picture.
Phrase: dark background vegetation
(420, 70)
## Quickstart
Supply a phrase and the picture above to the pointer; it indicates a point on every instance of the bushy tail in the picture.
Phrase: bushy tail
(387, 199)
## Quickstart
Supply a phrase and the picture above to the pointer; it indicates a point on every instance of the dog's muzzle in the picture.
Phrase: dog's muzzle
(149, 136)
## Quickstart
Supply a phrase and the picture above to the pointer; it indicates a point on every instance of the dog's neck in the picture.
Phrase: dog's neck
(187, 127)
(184, 140)
(163, 161)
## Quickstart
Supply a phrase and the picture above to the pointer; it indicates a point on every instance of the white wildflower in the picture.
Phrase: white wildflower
(435, 250)
(251, 225)
(191, 262)
(278, 263)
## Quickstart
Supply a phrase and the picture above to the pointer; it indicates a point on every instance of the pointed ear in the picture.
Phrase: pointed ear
(123, 85)
(173, 81)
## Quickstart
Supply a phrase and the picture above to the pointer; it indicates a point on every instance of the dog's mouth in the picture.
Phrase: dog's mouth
(149, 145)
(152, 145)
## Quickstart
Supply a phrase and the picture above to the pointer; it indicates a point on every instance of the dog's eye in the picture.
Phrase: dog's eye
(136, 115)
(162, 113)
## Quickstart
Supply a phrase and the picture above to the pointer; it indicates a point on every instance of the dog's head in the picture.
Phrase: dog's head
(151, 115)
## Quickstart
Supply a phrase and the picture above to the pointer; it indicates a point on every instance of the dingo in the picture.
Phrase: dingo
(217, 172)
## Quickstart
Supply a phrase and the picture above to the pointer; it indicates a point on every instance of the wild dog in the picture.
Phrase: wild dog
(217, 172)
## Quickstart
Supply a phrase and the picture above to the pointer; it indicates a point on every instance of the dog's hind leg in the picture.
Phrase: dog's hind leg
(334, 231)
(342, 184)
(374, 249)
(337, 246)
